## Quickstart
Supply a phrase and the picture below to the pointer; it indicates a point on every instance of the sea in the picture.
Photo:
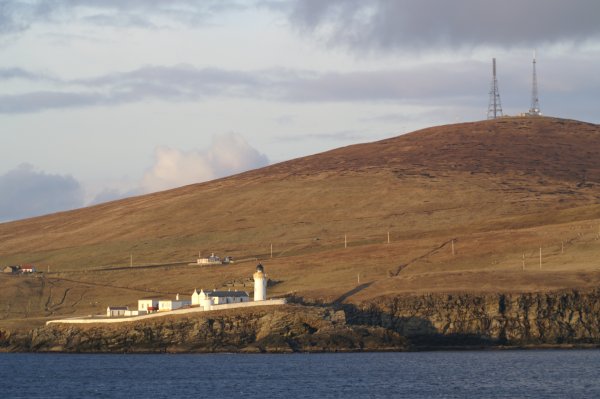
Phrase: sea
(475, 374)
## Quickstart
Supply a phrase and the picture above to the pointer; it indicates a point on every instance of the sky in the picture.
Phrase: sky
(104, 99)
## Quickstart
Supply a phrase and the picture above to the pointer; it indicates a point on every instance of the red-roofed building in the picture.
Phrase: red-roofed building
(27, 268)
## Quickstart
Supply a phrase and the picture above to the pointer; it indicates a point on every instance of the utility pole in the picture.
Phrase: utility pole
(130, 260)
(494, 106)
(453, 247)
(523, 262)
(540, 258)
(271, 250)
(345, 241)
(388, 237)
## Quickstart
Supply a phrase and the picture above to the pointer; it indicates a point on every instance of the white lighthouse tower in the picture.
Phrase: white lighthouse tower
(260, 284)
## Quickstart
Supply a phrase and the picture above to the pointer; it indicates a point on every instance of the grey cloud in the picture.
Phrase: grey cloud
(120, 21)
(43, 100)
(572, 81)
(25, 192)
(178, 83)
(10, 17)
(19, 73)
(427, 24)
(180, 80)
(19, 15)
(421, 83)
(186, 83)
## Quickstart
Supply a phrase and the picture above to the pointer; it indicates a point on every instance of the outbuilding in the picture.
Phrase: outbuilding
(209, 298)
(170, 304)
(116, 311)
(149, 305)
(135, 312)
(12, 269)
(211, 260)
(27, 269)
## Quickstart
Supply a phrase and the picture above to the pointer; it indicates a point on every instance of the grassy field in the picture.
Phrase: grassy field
(497, 190)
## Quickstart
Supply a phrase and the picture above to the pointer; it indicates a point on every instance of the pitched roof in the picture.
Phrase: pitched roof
(223, 294)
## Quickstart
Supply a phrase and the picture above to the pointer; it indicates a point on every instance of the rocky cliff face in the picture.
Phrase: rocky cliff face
(281, 329)
(388, 323)
(569, 317)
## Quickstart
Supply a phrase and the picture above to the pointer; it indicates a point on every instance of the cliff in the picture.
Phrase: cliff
(282, 329)
(554, 318)
(386, 323)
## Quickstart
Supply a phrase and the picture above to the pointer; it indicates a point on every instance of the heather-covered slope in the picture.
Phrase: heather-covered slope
(498, 190)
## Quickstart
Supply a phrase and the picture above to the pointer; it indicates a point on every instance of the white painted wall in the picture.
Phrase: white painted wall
(144, 304)
(196, 298)
(111, 312)
(260, 286)
(169, 304)
(91, 320)
(134, 313)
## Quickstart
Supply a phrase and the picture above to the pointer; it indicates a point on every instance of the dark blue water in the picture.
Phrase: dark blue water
(496, 374)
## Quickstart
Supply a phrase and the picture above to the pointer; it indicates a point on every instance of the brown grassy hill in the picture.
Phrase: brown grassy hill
(501, 189)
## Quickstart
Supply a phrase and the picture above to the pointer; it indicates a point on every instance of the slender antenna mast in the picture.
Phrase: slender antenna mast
(535, 101)
(494, 107)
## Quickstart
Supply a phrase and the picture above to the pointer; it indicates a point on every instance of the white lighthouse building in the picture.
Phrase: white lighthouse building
(260, 283)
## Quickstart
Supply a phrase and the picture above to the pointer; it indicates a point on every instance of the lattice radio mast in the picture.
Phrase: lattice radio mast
(494, 107)
(535, 101)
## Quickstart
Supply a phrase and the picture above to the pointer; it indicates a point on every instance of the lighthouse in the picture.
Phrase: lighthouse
(260, 283)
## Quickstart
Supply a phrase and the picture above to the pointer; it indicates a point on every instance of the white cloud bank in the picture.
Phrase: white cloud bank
(26, 192)
(228, 154)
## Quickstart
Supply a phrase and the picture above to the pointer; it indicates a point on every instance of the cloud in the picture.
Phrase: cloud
(187, 83)
(9, 17)
(459, 83)
(19, 15)
(26, 192)
(432, 24)
(176, 83)
(20, 73)
(227, 155)
(43, 100)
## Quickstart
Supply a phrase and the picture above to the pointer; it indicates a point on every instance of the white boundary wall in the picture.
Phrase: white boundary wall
(91, 320)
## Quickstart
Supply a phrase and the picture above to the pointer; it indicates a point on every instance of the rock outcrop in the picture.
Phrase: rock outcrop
(554, 318)
(387, 323)
(282, 329)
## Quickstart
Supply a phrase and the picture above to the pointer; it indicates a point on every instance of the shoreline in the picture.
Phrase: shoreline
(559, 320)
(544, 347)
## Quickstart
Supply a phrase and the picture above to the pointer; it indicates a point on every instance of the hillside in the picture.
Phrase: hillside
(497, 190)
